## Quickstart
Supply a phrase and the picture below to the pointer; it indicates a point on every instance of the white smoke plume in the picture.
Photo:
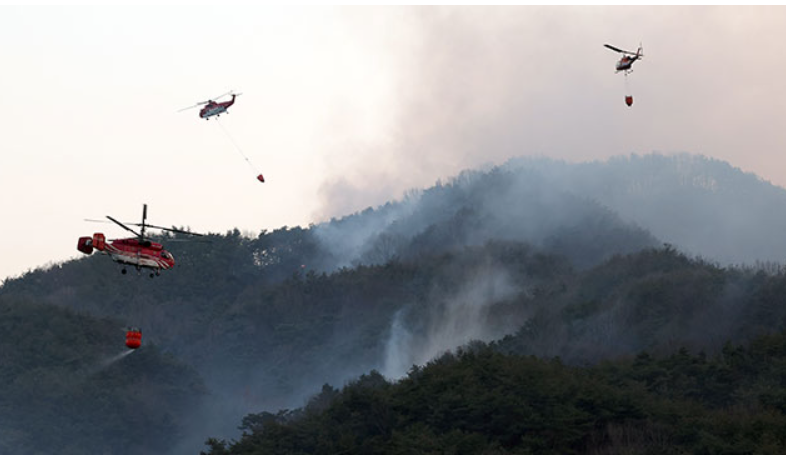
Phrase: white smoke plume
(450, 322)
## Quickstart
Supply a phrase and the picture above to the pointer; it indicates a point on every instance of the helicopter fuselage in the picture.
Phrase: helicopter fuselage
(130, 251)
(214, 108)
(626, 63)
(147, 254)
(140, 252)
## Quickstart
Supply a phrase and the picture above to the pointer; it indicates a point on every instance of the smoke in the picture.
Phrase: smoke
(465, 86)
(703, 206)
(347, 239)
(469, 86)
(450, 321)
(398, 351)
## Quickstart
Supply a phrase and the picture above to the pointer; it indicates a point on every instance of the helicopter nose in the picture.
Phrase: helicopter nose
(170, 259)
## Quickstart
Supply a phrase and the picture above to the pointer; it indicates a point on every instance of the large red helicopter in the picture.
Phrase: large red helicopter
(626, 62)
(214, 108)
(139, 252)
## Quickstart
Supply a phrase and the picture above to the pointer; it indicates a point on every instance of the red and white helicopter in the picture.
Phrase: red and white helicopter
(626, 62)
(214, 108)
(139, 252)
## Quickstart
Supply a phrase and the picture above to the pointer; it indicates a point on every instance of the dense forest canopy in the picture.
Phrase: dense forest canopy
(70, 387)
(482, 401)
(540, 257)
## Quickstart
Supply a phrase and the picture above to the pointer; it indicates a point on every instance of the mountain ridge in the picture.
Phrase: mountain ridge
(704, 206)
(487, 255)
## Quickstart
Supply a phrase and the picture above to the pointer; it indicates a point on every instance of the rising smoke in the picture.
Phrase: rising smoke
(451, 319)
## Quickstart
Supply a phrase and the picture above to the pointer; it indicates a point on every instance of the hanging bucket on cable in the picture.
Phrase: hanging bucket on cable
(133, 338)
(260, 178)
(629, 100)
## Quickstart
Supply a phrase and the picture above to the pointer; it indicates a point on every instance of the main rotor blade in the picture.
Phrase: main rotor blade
(123, 225)
(100, 221)
(158, 227)
(193, 106)
(185, 232)
(206, 102)
(619, 50)
(225, 93)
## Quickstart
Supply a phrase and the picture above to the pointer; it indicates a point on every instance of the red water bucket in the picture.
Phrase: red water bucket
(133, 338)
(629, 100)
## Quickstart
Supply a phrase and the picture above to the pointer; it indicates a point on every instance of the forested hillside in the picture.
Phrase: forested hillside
(67, 387)
(480, 401)
(504, 203)
(703, 206)
(505, 255)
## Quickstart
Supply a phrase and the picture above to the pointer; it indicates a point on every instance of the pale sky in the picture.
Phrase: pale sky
(345, 108)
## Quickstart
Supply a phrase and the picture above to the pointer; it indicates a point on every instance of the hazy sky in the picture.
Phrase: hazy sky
(344, 108)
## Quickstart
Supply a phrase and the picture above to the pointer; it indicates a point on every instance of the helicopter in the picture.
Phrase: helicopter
(214, 108)
(139, 252)
(626, 62)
